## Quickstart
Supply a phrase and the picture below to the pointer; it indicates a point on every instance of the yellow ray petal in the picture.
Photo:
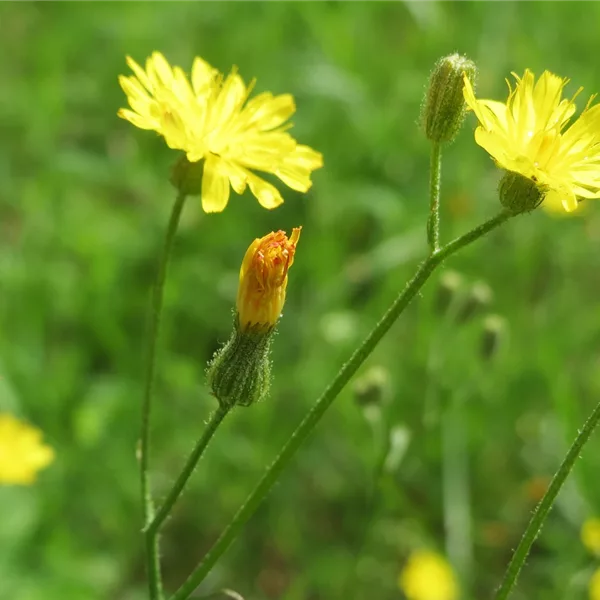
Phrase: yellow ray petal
(267, 195)
(137, 120)
(215, 186)
(238, 177)
(265, 111)
(202, 76)
(139, 73)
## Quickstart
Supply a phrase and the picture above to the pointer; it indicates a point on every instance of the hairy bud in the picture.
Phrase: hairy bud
(443, 109)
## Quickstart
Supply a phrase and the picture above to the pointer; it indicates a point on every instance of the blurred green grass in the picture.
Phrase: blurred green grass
(84, 200)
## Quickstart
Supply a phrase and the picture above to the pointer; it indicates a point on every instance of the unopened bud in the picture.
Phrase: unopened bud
(520, 194)
(450, 284)
(240, 372)
(443, 109)
(494, 332)
(478, 298)
(373, 387)
(186, 176)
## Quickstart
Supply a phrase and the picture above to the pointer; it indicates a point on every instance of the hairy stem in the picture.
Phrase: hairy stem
(433, 222)
(179, 485)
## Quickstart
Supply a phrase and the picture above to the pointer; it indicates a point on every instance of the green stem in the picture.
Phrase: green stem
(541, 512)
(210, 429)
(322, 404)
(151, 542)
(433, 222)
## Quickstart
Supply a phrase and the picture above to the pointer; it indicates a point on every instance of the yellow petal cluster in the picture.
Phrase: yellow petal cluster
(428, 576)
(264, 277)
(530, 134)
(22, 453)
(209, 117)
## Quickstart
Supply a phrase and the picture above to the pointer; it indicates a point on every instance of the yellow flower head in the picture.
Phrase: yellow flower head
(263, 278)
(22, 453)
(590, 535)
(594, 586)
(529, 135)
(208, 117)
(428, 576)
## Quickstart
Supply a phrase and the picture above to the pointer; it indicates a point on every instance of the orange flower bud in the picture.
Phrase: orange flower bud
(263, 279)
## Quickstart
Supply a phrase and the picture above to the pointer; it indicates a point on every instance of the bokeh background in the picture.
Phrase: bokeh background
(84, 200)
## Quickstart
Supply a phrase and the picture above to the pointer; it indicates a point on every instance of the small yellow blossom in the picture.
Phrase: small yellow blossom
(209, 118)
(530, 135)
(594, 587)
(428, 576)
(22, 453)
(590, 535)
(263, 278)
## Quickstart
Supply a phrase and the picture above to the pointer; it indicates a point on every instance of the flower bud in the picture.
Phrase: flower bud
(519, 194)
(479, 297)
(263, 279)
(186, 176)
(443, 108)
(494, 331)
(240, 372)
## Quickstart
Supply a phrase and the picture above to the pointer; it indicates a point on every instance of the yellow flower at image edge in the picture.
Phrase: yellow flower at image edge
(594, 586)
(210, 118)
(264, 277)
(428, 576)
(22, 453)
(530, 135)
(590, 535)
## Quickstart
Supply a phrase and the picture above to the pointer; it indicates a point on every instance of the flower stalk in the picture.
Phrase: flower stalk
(151, 542)
(163, 512)
(433, 222)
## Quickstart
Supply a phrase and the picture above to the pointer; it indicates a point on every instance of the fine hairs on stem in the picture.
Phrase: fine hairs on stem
(433, 221)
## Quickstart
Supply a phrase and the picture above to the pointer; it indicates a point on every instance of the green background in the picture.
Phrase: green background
(84, 200)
